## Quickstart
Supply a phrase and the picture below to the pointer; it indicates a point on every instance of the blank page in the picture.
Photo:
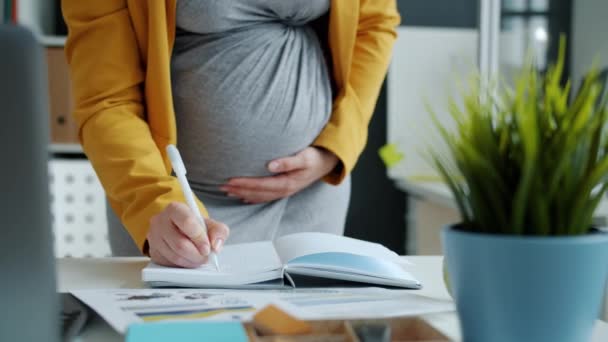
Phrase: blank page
(239, 264)
(296, 245)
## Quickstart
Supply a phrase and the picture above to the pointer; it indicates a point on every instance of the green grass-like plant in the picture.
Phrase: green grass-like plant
(526, 160)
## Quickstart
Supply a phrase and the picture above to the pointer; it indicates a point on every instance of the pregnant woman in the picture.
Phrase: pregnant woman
(268, 102)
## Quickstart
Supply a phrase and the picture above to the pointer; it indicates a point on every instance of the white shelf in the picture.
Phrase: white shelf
(436, 192)
(439, 193)
(52, 41)
(66, 148)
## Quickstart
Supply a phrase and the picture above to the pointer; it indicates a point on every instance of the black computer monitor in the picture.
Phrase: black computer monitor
(29, 308)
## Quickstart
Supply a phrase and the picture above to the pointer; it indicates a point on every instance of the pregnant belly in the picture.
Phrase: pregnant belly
(225, 144)
(239, 108)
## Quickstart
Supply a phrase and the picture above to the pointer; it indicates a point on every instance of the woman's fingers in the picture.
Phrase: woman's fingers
(176, 237)
(167, 251)
(218, 233)
(182, 246)
(163, 255)
(292, 163)
(188, 224)
(159, 259)
(282, 184)
(294, 174)
(255, 196)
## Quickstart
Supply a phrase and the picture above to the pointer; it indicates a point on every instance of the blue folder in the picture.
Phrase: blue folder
(187, 332)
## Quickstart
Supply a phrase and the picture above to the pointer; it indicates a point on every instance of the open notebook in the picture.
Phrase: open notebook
(280, 263)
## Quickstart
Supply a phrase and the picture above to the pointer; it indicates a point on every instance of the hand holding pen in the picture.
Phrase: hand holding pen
(179, 235)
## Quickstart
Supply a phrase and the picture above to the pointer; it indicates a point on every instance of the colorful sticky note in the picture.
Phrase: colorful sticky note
(273, 321)
(187, 332)
(390, 155)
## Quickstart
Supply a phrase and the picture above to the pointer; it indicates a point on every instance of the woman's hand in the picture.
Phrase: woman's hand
(293, 174)
(176, 237)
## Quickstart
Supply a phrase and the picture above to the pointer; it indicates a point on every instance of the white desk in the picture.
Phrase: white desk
(125, 273)
(431, 206)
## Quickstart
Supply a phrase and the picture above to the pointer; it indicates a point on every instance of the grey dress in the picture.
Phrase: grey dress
(250, 84)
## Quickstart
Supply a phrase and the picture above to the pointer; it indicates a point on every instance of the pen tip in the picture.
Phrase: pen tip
(217, 264)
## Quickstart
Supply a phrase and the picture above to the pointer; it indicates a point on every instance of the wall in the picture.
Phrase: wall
(439, 13)
(589, 40)
(434, 54)
(37, 15)
(378, 209)
(430, 65)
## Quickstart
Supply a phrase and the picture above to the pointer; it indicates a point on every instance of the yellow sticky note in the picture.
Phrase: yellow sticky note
(390, 155)
(273, 321)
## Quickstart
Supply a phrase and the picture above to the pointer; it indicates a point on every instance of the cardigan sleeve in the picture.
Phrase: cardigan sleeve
(107, 76)
(346, 132)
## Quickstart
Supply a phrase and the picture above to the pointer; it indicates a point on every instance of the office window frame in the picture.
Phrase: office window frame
(558, 17)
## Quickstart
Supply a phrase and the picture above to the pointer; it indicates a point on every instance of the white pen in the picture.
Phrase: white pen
(180, 171)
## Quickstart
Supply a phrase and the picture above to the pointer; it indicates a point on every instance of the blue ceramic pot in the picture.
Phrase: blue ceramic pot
(514, 288)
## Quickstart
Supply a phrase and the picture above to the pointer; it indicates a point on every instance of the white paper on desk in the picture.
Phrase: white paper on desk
(600, 331)
(359, 303)
(122, 307)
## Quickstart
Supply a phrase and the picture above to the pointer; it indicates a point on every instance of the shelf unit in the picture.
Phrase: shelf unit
(63, 129)
(78, 204)
(65, 148)
(52, 41)
(43, 18)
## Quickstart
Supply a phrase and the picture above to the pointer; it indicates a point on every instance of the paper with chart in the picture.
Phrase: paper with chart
(360, 303)
(122, 307)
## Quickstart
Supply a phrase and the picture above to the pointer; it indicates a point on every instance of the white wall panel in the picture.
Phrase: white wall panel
(429, 64)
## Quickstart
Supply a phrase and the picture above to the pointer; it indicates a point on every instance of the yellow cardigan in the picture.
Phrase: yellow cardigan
(119, 55)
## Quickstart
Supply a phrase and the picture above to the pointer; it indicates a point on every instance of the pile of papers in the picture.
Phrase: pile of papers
(123, 307)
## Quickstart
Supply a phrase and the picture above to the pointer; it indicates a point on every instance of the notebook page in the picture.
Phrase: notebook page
(296, 245)
(355, 266)
(237, 262)
(245, 258)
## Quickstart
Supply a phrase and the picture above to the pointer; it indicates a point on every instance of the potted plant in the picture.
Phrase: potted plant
(527, 167)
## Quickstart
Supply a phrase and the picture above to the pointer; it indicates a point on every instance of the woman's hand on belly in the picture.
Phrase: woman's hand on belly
(293, 174)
